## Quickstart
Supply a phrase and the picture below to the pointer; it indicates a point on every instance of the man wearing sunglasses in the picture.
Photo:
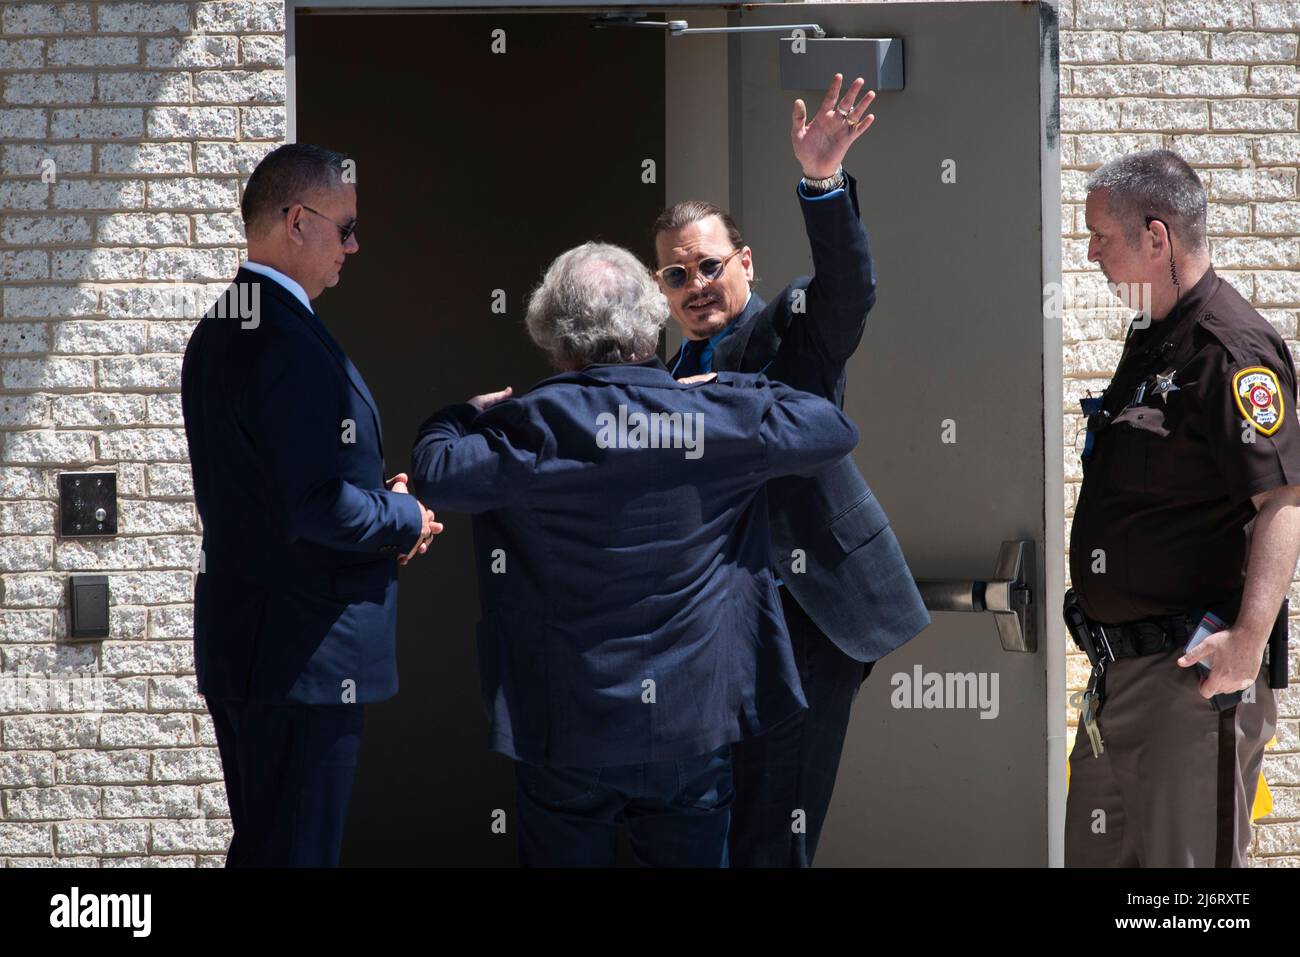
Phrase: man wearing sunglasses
(295, 602)
(848, 596)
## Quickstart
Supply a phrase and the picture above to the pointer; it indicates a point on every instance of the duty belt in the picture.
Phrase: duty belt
(1130, 639)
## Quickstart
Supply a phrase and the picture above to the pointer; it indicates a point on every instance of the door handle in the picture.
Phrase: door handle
(1008, 596)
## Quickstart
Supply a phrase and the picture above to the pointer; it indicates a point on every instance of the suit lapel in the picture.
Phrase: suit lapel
(312, 321)
(729, 354)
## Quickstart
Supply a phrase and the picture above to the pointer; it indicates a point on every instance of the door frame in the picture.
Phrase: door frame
(685, 181)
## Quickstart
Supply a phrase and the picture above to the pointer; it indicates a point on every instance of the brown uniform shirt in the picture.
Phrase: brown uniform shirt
(1202, 416)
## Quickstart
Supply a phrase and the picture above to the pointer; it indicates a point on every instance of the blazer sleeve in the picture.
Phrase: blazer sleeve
(803, 433)
(298, 435)
(473, 462)
(843, 287)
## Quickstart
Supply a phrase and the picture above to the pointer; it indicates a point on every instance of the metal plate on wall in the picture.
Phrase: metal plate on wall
(878, 60)
(87, 504)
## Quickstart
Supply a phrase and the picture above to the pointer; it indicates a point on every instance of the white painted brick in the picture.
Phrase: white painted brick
(94, 51)
(1285, 322)
(147, 88)
(1278, 838)
(51, 804)
(1244, 283)
(1078, 115)
(124, 623)
(1251, 184)
(23, 411)
(1210, 150)
(1253, 47)
(174, 551)
(36, 302)
(1277, 218)
(212, 801)
(97, 264)
(38, 863)
(97, 123)
(47, 372)
(155, 588)
(45, 18)
(201, 835)
(1094, 14)
(34, 659)
(239, 86)
(169, 300)
(185, 122)
(1165, 115)
(207, 734)
(18, 194)
(1278, 148)
(1253, 114)
(1277, 289)
(144, 17)
(44, 733)
(98, 194)
(77, 554)
(231, 157)
(187, 764)
(41, 89)
(118, 837)
(21, 626)
(1224, 219)
(147, 372)
(69, 448)
(26, 518)
(143, 445)
(1092, 358)
(23, 159)
(216, 860)
(175, 801)
(1208, 13)
(1093, 150)
(102, 767)
(190, 264)
(219, 228)
(165, 409)
(173, 621)
(1274, 80)
(170, 480)
(1118, 80)
(173, 693)
(25, 839)
(99, 336)
(23, 482)
(200, 51)
(26, 768)
(152, 658)
(39, 230)
(23, 264)
(19, 337)
(1254, 253)
(240, 16)
(21, 54)
(262, 50)
(125, 694)
(1087, 46)
(169, 861)
(143, 229)
(145, 730)
(1277, 14)
(22, 124)
(262, 122)
(1205, 81)
(26, 554)
(170, 336)
(145, 158)
(193, 192)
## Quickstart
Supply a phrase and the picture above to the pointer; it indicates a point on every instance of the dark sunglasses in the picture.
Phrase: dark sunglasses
(345, 232)
(711, 267)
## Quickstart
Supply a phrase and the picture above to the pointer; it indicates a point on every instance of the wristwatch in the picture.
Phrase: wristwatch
(834, 181)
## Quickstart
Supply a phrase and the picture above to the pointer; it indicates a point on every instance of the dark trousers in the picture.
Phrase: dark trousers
(676, 812)
(784, 778)
(289, 770)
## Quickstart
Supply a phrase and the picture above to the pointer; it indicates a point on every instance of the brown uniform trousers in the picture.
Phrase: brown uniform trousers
(1176, 780)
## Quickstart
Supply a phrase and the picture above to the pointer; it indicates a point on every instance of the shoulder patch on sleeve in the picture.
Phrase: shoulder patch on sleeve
(1259, 398)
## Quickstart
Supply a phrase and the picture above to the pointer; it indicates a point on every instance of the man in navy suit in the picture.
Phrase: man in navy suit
(848, 596)
(631, 627)
(296, 596)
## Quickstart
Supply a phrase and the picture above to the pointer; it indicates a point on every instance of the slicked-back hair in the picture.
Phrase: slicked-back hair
(1156, 183)
(597, 303)
(692, 211)
(285, 176)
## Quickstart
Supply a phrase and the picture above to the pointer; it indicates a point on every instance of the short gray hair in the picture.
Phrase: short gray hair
(1156, 183)
(596, 303)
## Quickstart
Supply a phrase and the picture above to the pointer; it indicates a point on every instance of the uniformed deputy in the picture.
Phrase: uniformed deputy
(1188, 505)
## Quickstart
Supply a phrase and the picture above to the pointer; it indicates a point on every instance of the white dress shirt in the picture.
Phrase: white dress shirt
(290, 284)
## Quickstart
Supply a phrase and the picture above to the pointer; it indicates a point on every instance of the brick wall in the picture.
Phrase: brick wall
(126, 128)
(1215, 80)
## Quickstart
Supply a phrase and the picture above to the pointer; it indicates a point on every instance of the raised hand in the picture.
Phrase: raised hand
(820, 145)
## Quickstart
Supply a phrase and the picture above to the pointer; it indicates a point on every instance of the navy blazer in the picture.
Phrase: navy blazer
(296, 596)
(629, 613)
(831, 539)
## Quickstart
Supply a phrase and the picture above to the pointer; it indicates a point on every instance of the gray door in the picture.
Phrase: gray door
(955, 389)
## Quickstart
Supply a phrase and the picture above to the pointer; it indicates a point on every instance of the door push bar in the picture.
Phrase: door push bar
(1008, 596)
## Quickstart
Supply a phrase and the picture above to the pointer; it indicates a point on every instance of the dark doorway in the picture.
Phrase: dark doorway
(474, 170)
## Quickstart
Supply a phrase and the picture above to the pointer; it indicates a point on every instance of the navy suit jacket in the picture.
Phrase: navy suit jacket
(296, 598)
(629, 613)
(831, 539)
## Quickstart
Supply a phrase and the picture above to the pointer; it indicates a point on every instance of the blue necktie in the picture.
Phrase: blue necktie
(697, 358)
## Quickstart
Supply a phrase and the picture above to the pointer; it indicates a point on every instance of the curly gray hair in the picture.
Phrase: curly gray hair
(596, 303)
